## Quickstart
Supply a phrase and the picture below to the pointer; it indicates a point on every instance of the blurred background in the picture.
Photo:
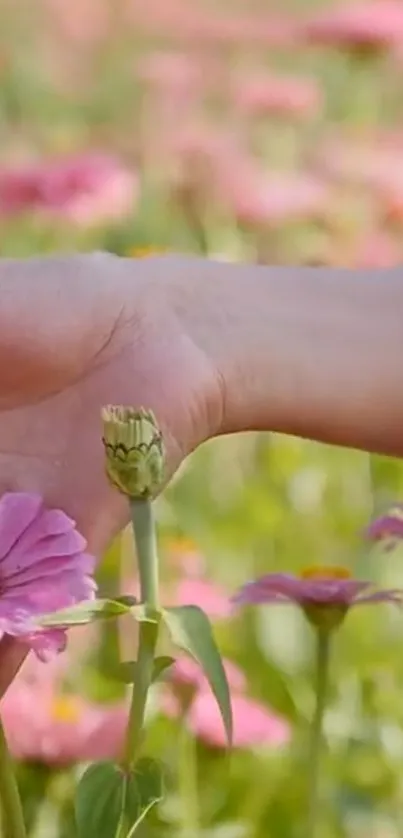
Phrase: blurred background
(246, 130)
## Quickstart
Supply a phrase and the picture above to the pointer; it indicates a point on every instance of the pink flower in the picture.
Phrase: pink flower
(388, 527)
(254, 724)
(188, 693)
(368, 26)
(375, 165)
(185, 671)
(89, 189)
(324, 594)
(209, 596)
(44, 724)
(185, 556)
(376, 250)
(275, 199)
(43, 567)
(86, 190)
(172, 72)
(278, 95)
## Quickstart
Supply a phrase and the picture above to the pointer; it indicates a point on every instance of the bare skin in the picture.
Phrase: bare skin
(212, 348)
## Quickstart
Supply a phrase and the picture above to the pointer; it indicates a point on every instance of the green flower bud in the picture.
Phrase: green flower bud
(134, 448)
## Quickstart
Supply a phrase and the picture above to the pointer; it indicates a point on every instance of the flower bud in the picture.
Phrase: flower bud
(134, 450)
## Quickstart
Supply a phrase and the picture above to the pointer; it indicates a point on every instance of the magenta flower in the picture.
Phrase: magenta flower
(86, 190)
(43, 567)
(388, 527)
(324, 594)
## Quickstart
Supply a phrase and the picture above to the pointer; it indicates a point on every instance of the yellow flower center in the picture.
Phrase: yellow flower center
(143, 252)
(65, 708)
(323, 572)
(181, 545)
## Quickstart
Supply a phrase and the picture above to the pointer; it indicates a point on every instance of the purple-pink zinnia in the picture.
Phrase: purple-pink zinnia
(388, 527)
(325, 594)
(43, 567)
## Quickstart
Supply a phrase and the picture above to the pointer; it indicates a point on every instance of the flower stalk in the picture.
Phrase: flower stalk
(145, 539)
(135, 461)
(316, 733)
(12, 819)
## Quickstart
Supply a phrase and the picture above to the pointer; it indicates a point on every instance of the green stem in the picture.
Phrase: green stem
(316, 740)
(188, 781)
(144, 534)
(12, 819)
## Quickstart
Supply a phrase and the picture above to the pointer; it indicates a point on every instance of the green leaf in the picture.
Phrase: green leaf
(86, 612)
(141, 818)
(125, 672)
(99, 801)
(144, 614)
(191, 630)
(160, 665)
(143, 790)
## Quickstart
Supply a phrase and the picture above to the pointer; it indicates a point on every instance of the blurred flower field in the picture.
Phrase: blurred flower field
(251, 131)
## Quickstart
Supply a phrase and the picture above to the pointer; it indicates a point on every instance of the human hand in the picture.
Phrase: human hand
(79, 332)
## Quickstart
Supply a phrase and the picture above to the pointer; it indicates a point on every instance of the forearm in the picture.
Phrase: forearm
(315, 352)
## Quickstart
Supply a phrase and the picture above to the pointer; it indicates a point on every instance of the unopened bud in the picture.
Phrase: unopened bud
(134, 449)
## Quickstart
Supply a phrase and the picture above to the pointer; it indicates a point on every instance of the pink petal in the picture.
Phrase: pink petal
(51, 534)
(394, 596)
(213, 599)
(18, 511)
(53, 566)
(254, 724)
(47, 644)
(186, 671)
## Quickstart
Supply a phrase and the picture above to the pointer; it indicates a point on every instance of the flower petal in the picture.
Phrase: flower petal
(275, 587)
(47, 644)
(18, 511)
(53, 566)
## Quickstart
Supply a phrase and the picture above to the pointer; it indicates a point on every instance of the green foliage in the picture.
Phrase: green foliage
(91, 611)
(190, 629)
(125, 671)
(109, 801)
(100, 801)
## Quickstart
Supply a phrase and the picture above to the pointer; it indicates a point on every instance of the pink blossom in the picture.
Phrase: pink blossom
(82, 23)
(209, 596)
(374, 166)
(266, 93)
(376, 250)
(267, 30)
(86, 190)
(370, 25)
(172, 72)
(185, 556)
(42, 724)
(388, 527)
(254, 724)
(43, 567)
(186, 671)
(273, 199)
(193, 25)
(325, 594)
